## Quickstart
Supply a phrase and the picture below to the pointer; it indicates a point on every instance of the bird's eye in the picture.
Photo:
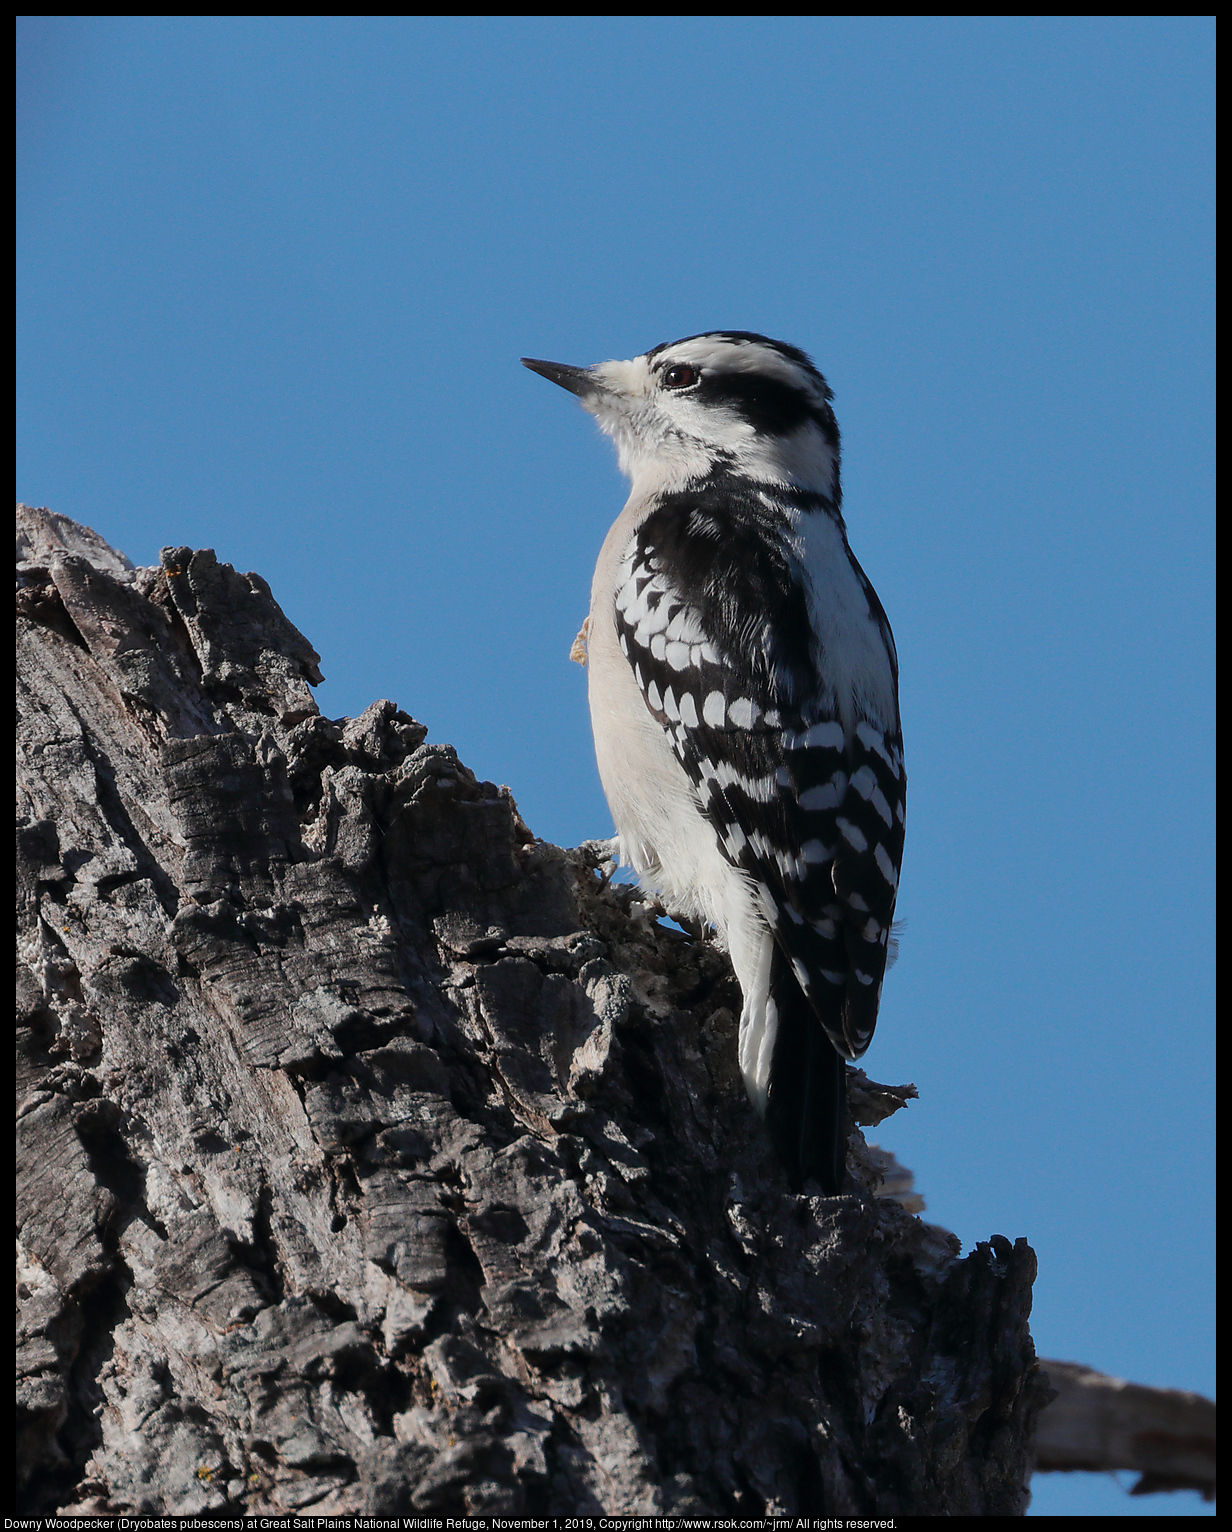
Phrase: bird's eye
(680, 376)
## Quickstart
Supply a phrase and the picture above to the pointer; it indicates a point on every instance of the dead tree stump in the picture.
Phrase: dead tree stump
(377, 1156)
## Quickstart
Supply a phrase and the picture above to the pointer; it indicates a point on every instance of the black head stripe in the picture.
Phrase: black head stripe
(771, 406)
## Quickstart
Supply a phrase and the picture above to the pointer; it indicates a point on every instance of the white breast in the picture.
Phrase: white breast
(663, 835)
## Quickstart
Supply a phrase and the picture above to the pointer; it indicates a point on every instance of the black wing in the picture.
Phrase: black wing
(715, 626)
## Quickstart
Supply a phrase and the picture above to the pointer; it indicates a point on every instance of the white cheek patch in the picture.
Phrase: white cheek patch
(706, 424)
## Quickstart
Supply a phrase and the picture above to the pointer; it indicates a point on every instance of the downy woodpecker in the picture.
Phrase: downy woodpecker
(744, 700)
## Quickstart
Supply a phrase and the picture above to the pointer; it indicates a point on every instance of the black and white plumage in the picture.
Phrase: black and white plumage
(744, 699)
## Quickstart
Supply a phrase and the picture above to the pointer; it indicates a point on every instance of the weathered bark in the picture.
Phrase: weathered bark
(376, 1155)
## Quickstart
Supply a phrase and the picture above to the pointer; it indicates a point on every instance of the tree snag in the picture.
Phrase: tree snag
(376, 1156)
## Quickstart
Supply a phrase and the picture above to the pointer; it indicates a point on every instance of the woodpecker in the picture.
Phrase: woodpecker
(743, 688)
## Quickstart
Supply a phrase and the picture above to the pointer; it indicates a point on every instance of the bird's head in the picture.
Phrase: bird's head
(729, 398)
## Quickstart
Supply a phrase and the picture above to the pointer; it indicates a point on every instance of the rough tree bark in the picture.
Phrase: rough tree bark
(375, 1155)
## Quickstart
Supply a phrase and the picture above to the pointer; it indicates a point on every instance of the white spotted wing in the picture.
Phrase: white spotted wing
(813, 812)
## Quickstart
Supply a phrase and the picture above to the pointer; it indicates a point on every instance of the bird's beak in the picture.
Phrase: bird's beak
(578, 380)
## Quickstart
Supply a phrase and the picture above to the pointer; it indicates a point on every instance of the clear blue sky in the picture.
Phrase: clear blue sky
(275, 279)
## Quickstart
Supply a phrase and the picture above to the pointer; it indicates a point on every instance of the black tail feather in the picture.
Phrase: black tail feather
(807, 1108)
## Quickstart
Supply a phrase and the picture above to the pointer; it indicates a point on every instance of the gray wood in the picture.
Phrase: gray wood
(1096, 1422)
(376, 1156)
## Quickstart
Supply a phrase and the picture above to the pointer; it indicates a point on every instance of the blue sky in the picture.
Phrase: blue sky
(275, 277)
